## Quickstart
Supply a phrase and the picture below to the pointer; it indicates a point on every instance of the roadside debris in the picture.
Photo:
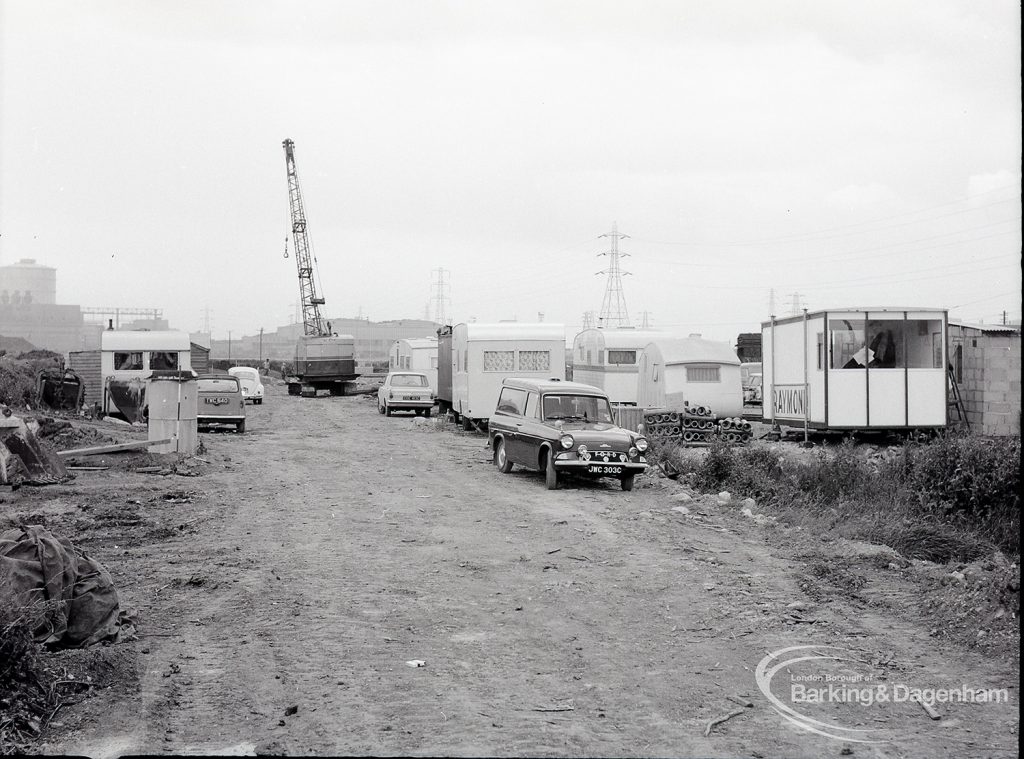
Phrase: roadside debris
(24, 459)
(719, 720)
(414, 663)
(927, 708)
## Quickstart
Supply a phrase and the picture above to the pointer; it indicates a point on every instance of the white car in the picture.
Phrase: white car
(249, 379)
(405, 391)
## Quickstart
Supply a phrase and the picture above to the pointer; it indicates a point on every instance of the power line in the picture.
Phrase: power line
(797, 235)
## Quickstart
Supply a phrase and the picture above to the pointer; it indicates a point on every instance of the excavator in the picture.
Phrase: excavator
(323, 360)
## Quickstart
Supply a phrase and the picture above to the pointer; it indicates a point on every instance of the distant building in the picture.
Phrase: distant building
(29, 310)
(373, 340)
(985, 359)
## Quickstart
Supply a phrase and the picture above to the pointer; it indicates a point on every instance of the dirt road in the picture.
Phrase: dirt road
(281, 596)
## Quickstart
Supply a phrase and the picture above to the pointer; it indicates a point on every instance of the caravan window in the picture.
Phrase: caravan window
(703, 374)
(499, 361)
(124, 362)
(622, 357)
(534, 361)
(163, 360)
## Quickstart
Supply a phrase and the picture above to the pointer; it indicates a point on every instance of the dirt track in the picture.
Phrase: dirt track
(328, 546)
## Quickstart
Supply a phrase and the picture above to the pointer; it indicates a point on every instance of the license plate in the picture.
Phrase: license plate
(216, 401)
(412, 398)
(604, 469)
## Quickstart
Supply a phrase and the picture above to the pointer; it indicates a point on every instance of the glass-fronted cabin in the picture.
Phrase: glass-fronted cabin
(856, 369)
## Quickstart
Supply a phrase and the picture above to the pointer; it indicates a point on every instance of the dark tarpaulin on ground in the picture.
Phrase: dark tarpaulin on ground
(37, 567)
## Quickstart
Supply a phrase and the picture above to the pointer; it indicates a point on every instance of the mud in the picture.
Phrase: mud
(281, 593)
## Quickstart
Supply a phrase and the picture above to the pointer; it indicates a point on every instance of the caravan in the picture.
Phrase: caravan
(691, 372)
(483, 355)
(128, 358)
(415, 354)
(610, 359)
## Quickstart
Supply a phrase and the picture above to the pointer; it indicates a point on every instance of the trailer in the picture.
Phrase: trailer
(415, 354)
(857, 369)
(690, 372)
(129, 357)
(485, 354)
(444, 368)
(610, 359)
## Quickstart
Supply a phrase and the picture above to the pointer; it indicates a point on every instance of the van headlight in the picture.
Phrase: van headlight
(641, 444)
(567, 441)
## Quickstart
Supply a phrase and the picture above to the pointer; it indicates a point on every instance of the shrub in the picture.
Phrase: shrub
(939, 500)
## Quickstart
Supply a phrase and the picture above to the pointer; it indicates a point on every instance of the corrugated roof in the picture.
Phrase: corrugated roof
(145, 340)
(513, 331)
(1001, 328)
(691, 350)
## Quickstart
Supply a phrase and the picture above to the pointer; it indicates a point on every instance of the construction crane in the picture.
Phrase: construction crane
(312, 322)
(323, 361)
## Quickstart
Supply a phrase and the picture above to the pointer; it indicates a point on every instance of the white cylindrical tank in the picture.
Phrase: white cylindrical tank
(27, 282)
(173, 408)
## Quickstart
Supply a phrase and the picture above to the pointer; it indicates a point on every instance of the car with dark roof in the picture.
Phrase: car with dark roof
(562, 428)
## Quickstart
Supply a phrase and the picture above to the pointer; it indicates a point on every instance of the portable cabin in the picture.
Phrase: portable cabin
(415, 354)
(485, 354)
(857, 369)
(134, 355)
(677, 372)
(610, 359)
(444, 368)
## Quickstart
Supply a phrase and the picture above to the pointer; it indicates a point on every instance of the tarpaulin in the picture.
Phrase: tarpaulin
(82, 607)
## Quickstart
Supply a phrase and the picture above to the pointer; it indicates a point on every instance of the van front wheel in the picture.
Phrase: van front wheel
(501, 458)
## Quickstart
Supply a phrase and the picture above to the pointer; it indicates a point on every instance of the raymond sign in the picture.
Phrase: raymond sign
(790, 401)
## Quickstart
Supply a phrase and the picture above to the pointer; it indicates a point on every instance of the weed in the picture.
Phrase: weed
(949, 499)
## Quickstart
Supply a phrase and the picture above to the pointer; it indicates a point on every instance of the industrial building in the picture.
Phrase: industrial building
(29, 310)
(373, 340)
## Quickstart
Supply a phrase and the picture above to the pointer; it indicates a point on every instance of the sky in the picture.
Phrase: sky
(857, 154)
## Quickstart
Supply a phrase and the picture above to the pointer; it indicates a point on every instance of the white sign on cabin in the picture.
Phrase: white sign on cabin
(790, 401)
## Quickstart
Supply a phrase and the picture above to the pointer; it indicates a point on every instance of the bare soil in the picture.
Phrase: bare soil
(284, 579)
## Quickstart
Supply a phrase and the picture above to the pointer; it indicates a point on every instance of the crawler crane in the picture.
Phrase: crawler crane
(323, 361)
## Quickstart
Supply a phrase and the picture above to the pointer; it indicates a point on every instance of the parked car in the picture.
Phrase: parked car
(752, 390)
(220, 402)
(562, 427)
(252, 386)
(405, 391)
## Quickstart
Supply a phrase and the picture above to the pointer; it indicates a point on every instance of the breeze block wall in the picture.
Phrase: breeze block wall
(991, 381)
